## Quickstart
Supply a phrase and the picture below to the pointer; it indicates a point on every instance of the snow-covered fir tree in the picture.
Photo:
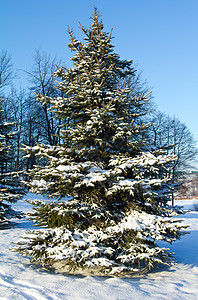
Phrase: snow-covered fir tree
(117, 188)
(10, 187)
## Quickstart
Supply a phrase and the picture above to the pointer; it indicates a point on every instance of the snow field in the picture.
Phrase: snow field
(20, 280)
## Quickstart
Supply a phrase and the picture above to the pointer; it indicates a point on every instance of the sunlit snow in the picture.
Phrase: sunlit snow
(20, 280)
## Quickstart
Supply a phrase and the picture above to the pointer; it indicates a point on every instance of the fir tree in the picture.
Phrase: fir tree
(10, 187)
(118, 188)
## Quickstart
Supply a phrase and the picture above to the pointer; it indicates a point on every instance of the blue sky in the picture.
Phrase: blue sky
(159, 35)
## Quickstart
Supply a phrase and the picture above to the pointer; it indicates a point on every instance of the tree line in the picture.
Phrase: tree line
(34, 122)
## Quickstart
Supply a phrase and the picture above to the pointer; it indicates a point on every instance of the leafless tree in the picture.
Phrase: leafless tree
(42, 81)
(6, 69)
(169, 131)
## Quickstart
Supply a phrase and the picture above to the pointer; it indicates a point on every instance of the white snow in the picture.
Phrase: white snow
(21, 280)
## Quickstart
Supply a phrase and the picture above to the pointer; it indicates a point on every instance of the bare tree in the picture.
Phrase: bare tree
(42, 81)
(16, 111)
(174, 137)
(169, 131)
(6, 69)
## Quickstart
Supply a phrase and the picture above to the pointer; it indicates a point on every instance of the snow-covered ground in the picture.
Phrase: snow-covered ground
(20, 280)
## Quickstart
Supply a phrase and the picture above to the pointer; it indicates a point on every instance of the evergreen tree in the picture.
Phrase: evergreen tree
(118, 189)
(10, 188)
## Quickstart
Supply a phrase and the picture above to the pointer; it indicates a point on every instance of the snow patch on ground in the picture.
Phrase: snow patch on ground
(20, 280)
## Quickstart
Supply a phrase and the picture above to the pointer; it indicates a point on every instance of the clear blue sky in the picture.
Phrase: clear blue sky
(160, 35)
